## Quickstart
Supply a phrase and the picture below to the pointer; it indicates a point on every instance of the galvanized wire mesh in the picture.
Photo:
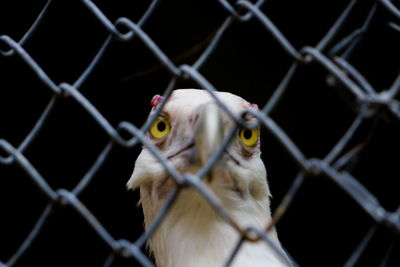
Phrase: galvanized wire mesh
(331, 54)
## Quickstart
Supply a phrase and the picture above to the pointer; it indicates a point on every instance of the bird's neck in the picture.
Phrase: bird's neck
(193, 234)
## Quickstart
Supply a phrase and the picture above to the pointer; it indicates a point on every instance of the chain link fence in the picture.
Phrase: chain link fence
(333, 60)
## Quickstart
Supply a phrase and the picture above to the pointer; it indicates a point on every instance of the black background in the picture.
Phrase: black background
(323, 226)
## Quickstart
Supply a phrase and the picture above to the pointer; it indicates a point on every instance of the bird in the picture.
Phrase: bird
(188, 131)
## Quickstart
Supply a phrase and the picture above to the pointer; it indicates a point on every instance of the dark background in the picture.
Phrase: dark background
(322, 227)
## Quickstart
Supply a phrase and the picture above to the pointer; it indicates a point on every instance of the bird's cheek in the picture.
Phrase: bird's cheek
(247, 179)
(184, 163)
(257, 189)
(224, 182)
(162, 189)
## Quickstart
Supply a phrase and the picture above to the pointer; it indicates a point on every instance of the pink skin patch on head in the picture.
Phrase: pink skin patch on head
(248, 105)
(255, 106)
(156, 100)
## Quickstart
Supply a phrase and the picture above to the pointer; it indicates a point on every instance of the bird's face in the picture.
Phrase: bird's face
(188, 131)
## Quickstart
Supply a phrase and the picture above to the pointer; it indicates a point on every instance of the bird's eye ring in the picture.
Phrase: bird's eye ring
(160, 128)
(249, 137)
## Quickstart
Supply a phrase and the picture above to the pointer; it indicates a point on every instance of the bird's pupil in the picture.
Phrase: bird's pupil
(247, 134)
(161, 126)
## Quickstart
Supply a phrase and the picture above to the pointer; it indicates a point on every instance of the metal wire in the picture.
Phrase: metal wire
(330, 53)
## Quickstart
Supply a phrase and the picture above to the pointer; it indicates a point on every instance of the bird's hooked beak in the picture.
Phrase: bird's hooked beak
(209, 133)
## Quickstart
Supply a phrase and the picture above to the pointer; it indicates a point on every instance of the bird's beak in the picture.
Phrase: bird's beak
(209, 133)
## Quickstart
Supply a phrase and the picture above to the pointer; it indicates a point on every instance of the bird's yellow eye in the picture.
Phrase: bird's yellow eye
(249, 137)
(160, 128)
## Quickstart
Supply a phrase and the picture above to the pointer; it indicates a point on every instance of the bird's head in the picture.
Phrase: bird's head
(189, 130)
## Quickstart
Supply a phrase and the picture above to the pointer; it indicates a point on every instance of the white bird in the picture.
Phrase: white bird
(188, 131)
